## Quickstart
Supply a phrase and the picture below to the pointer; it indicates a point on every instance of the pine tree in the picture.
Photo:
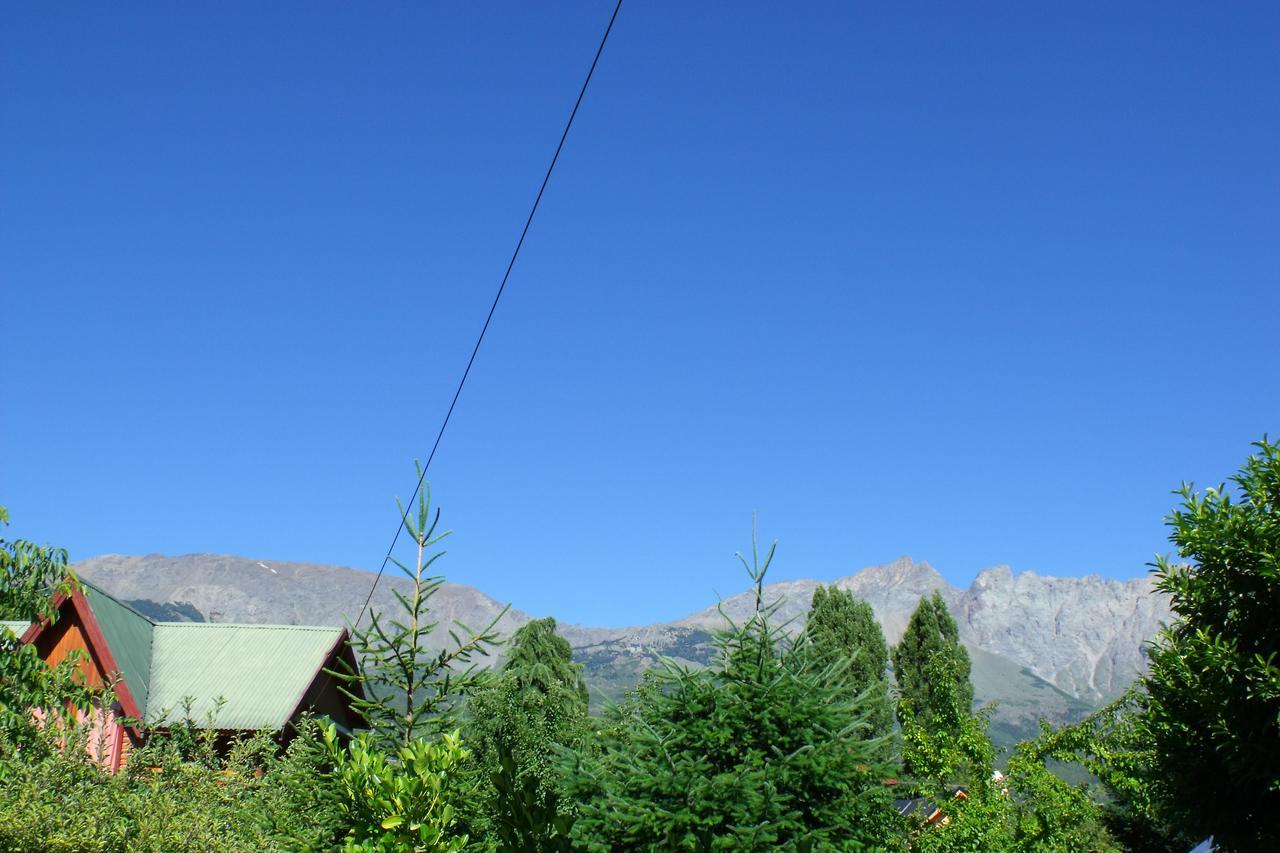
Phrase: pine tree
(931, 636)
(411, 680)
(760, 751)
(841, 627)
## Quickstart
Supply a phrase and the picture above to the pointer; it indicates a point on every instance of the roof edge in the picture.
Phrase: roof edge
(334, 651)
(98, 643)
(248, 625)
(100, 591)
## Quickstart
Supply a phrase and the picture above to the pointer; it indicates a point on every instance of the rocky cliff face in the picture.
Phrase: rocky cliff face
(1081, 635)
(1085, 635)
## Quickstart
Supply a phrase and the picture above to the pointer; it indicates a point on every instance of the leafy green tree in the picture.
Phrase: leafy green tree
(30, 576)
(1104, 744)
(925, 690)
(536, 707)
(841, 627)
(763, 750)
(1211, 710)
(949, 745)
(1028, 809)
(411, 679)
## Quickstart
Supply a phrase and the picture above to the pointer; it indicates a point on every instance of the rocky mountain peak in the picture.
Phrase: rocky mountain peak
(1083, 635)
(902, 573)
(994, 578)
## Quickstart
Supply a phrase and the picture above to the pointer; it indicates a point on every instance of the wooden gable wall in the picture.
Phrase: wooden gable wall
(65, 636)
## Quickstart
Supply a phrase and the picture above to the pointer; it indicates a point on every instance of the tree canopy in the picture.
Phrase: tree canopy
(518, 726)
(763, 750)
(1211, 712)
(932, 636)
(843, 628)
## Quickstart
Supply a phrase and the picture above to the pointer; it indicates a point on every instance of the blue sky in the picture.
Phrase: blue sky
(979, 285)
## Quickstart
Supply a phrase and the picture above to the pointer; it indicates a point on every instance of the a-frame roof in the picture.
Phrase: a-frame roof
(237, 676)
(129, 635)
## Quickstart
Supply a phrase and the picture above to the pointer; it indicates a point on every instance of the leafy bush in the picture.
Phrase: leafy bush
(401, 803)
(175, 794)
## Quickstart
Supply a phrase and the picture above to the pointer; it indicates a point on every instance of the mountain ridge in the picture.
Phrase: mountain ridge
(1083, 636)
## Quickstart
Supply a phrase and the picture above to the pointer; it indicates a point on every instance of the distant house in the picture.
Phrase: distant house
(239, 678)
(927, 810)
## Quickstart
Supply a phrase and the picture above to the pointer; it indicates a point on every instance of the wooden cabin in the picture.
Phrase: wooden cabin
(235, 678)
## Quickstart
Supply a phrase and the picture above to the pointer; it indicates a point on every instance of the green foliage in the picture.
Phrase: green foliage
(536, 707)
(1212, 703)
(26, 682)
(176, 794)
(400, 804)
(948, 746)
(1112, 745)
(841, 627)
(30, 575)
(1030, 809)
(540, 659)
(924, 687)
(764, 750)
(1049, 813)
(410, 684)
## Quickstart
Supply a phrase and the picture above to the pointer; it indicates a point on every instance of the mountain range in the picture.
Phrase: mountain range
(1042, 647)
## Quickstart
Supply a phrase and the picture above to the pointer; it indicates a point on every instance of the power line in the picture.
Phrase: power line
(492, 308)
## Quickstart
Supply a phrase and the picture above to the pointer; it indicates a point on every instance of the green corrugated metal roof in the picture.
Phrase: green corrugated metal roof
(128, 634)
(261, 671)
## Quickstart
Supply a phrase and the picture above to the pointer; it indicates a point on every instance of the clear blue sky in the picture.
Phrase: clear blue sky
(979, 285)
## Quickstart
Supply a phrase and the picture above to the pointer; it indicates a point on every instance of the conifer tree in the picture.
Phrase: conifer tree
(760, 751)
(411, 678)
(931, 636)
(841, 627)
(540, 659)
(536, 707)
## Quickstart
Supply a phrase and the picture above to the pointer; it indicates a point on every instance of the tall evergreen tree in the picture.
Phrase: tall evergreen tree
(931, 636)
(412, 678)
(540, 659)
(843, 628)
(761, 751)
(535, 708)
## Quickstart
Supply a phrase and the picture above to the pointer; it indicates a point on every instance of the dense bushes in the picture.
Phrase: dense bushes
(177, 793)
